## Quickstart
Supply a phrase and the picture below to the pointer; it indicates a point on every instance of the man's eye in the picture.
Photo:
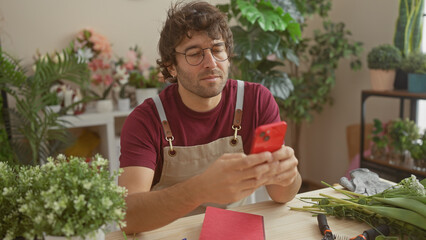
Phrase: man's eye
(193, 53)
(218, 49)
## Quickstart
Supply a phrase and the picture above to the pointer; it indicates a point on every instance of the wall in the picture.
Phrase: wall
(28, 25)
(324, 151)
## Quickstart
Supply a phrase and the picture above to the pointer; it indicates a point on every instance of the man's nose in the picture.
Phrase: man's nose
(209, 60)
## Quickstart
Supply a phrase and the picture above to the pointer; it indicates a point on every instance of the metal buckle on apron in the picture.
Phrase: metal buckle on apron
(172, 152)
(234, 141)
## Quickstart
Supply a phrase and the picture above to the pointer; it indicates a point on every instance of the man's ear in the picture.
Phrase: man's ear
(172, 70)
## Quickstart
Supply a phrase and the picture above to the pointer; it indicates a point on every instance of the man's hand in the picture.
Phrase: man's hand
(284, 180)
(233, 177)
(283, 167)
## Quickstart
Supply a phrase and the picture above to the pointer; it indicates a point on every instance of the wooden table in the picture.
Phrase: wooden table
(280, 223)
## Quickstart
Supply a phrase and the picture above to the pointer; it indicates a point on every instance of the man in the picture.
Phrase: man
(189, 147)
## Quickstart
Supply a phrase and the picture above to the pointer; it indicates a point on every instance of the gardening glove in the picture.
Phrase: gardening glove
(364, 182)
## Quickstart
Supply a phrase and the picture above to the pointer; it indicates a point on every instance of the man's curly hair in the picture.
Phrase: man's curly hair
(182, 20)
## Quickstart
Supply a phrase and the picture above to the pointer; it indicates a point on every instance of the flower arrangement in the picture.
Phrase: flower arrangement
(90, 44)
(95, 49)
(102, 78)
(64, 197)
(141, 73)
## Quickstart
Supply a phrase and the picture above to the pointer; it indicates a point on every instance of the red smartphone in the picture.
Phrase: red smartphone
(269, 137)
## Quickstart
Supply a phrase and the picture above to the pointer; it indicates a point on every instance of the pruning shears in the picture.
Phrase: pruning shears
(324, 228)
(369, 234)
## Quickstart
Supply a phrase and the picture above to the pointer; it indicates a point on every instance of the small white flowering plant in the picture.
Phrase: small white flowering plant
(15, 182)
(69, 197)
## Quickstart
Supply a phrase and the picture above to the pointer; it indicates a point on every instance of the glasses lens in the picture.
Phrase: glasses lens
(194, 56)
(219, 52)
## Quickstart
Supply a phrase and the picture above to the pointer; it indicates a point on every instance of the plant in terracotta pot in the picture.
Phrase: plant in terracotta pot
(415, 65)
(380, 141)
(383, 60)
(402, 135)
(66, 197)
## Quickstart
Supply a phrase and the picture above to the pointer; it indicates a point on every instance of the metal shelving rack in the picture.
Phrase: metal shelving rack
(386, 170)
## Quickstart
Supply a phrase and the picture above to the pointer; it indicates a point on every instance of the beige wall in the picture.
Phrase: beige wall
(27, 25)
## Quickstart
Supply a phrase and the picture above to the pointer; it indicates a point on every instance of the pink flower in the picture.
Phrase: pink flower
(144, 64)
(108, 80)
(132, 56)
(97, 79)
(129, 66)
(100, 44)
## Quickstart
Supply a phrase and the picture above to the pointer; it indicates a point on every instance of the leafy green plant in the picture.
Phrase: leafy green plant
(414, 63)
(401, 207)
(384, 57)
(262, 36)
(378, 135)
(15, 182)
(418, 151)
(409, 26)
(37, 130)
(403, 134)
(314, 76)
(64, 197)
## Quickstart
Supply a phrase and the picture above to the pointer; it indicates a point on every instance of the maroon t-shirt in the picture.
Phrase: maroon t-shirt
(142, 136)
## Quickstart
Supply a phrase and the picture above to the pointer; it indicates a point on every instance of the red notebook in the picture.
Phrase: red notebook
(230, 225)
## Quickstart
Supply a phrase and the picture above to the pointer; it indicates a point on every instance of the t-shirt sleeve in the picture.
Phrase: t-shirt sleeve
(268, 110)
(139, 139)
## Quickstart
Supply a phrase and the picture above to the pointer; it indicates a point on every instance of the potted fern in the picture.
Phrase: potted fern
(38, 132)
(383, 60)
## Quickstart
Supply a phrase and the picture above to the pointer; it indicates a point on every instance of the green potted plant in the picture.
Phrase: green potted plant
(415, 65)
(66, 197)
(380, 141)
(36, 131)
(383, 60)
(402, 135)
(418, 153)
(408, 34)
(263, 32)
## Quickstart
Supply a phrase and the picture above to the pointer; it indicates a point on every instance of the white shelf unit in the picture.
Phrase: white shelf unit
(109, 126)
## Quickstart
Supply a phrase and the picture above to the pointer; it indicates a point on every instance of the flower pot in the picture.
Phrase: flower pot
(99, 235)
(123, 104)
(416, 83)
(104, 105)
(53, 108)
(401, 80)
(382, 80)
(144, 93)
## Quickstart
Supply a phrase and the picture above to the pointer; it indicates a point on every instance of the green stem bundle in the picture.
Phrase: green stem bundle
(401, 207)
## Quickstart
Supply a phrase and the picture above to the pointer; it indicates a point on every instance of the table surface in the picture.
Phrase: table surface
(280, 222)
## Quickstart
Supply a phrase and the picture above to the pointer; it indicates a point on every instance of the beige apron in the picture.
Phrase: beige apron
(182, 163)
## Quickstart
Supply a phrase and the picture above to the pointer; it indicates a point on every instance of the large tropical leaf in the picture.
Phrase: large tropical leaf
(256, 44)
(277, 82)
(265, 14)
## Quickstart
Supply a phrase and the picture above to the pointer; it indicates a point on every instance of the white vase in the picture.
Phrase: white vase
(53, 108)
(104, 105)
(100, 235)
(144, 93)
(123, 104)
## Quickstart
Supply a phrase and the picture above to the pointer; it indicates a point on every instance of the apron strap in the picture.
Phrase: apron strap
(166, 127)
(237, 115)
(238, 109)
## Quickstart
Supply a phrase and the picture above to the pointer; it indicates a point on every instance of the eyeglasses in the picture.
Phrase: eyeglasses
(195, 56)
